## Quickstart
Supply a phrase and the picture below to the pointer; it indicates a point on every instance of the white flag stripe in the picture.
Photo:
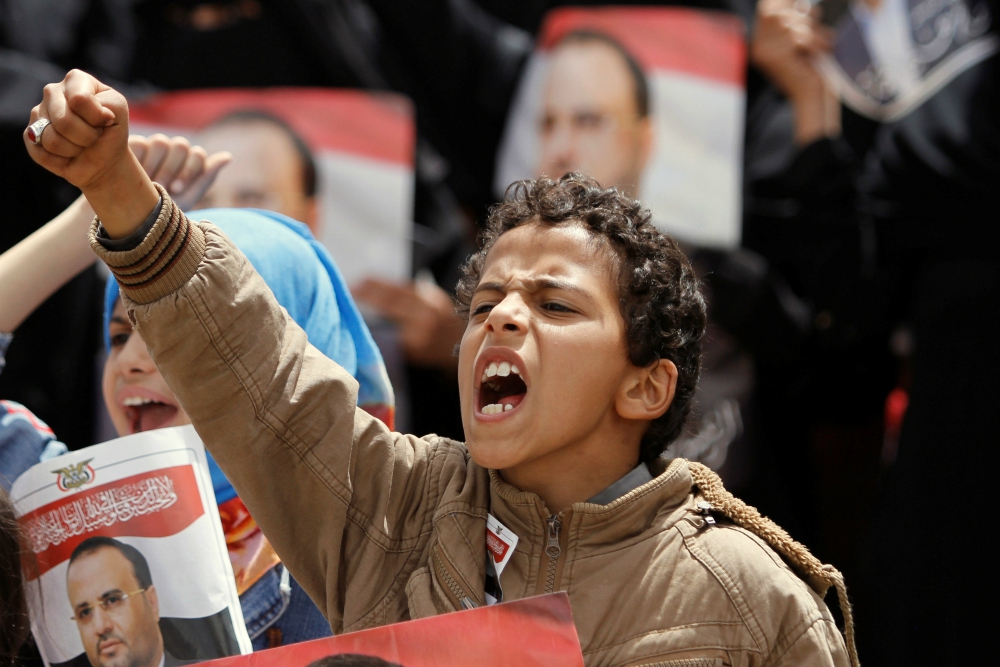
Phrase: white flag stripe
(366, 215)
(692, 184)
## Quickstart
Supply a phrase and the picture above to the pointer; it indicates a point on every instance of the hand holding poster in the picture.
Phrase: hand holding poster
(650, 100)
(127, 561)
(534, 632)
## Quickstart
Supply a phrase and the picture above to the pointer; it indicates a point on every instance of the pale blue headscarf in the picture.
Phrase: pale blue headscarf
(307, 283)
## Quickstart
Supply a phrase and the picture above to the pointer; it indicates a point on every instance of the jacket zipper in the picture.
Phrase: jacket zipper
(463, 600)
(552, 550)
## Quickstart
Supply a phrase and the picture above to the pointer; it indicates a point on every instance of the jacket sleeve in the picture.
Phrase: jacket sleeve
(341, 498)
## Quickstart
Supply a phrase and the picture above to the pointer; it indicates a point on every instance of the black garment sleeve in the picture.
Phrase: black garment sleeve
(132, 241)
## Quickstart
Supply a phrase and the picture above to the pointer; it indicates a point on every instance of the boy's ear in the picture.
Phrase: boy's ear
(648, 392)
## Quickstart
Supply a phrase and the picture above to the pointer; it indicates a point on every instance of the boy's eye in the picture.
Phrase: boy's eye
(482, 309)
(118, 340)
(556, 307)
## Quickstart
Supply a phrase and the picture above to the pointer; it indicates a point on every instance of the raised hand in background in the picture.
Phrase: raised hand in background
(787, 39)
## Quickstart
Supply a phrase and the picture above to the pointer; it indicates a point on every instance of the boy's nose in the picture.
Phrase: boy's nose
(507, 316)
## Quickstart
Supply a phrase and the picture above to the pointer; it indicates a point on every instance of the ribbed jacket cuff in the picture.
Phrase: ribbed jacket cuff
(165, 260)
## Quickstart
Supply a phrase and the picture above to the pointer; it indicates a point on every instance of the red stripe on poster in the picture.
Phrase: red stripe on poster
(707, 44)
(533, 632)
(377, 126)
(159, 503)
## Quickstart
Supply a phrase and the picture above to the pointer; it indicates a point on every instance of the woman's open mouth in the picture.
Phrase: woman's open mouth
(147, 414)
(501, 388)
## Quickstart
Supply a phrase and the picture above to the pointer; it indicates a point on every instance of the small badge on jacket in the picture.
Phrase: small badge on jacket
(500, 543)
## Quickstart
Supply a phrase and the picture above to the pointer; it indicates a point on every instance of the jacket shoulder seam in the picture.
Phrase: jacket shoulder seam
(733, 591)
(783, 644)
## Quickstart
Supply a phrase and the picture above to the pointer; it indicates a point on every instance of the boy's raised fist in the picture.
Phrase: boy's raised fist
(88, 132)
(86, 142)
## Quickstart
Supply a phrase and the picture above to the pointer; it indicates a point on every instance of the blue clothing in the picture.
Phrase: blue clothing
(24, 441)
(277, 602)
(307, 283)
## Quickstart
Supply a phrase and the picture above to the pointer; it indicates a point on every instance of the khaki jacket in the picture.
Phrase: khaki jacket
(381, 527)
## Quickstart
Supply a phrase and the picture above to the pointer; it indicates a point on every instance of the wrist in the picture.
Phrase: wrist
(122, 197)
(817, 116)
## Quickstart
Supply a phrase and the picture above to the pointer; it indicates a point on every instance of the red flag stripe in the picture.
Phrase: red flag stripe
(700, 43)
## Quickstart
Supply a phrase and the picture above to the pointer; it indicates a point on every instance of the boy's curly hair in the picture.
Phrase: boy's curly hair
(659, 294)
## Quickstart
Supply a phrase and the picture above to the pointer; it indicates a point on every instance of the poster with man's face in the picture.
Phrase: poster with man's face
(340, 161)
(127, 565)
(649, 100)
(534, 632)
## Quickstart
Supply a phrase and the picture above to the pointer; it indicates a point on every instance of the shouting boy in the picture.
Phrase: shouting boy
(576, 371)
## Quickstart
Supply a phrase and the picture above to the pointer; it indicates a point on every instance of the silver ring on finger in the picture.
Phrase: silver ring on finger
(35, 130)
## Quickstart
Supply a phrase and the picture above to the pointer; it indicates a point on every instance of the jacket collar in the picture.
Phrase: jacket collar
(655, 503)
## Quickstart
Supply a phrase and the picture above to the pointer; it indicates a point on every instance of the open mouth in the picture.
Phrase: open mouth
(147, 414)
(501, 388)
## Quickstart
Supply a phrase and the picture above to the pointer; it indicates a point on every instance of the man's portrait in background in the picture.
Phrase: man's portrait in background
(115, 605)
(272, 168)
(647, 99)
(595, 112)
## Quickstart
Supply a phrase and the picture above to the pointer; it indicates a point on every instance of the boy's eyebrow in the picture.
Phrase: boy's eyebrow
(536, 285)
(118, 319)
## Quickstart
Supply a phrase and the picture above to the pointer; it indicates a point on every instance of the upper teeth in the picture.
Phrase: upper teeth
(136, 400)
(503, 369)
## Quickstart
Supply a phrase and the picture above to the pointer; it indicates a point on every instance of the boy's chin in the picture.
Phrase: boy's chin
(495, 453)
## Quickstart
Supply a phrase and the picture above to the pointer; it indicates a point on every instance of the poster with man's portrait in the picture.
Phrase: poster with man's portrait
(340, 161)
(650, 100)
(534, 632)
(126, 563)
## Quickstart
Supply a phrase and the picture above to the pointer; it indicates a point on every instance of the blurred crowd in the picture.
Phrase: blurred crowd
(850, 360)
